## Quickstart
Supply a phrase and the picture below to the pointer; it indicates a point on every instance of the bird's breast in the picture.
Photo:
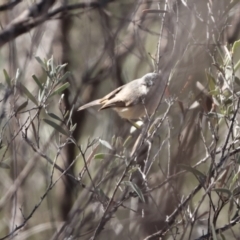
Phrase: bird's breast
(132, 112)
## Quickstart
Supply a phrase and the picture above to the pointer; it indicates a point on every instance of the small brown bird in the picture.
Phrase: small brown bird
(134, 99)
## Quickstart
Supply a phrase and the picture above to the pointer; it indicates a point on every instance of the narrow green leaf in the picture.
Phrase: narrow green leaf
(52, 66)
(52, 115)
(28, 94)
(41, 95)
(99, 156)
(66, 114)
(199, 175)
(119, 143)
(223, 190)
(56, 127)
(22, 106)
(211, 82)
(237, 81)
(236, 191)
(61, 67)
(35, 132)
(73, 127)
(127, 141)
(18, 74)
(236, 66)
(64, 77)
(219, 50)
(136, 189)
(105, 144)
(103, 155)
(70, 114)
(227, 55)
(43, 65)
(230, 208)
(37, 82)
(236, 46)
(60, 89)
(7, 78)
(215, 115)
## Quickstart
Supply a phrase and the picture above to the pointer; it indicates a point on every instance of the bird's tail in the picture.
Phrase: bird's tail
(91, 104)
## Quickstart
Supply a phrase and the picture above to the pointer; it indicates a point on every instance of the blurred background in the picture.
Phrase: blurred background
(90, 175)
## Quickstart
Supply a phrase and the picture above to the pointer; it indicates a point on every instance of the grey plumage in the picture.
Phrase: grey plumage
(134, 99)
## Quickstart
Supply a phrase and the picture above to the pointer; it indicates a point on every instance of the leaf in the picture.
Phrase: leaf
(199, 175)
(230, 208)
(41, 63)
(70, 114)
(7, 78)
(227, 55)
(28, 94)
(52, 115)
(61, 67)
(73, 127)
(99, 156)
(105, 144)
(18, 74)
(56, 127)
(60, 89)
(66, 114)
(236, 191)
(236, 66)
(34, 131)
(52, 65)
(64, 77)
(136, 189)
(119, 143)
(41, 94)
(215, 115)
(237, 81)
(127, 141)
(223, 191)
(220, 54)
(22, 106)
(211, 83)
(235, 55)
(236, 46)
(37, 82)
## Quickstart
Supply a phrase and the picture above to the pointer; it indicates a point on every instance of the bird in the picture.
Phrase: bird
(135, 99)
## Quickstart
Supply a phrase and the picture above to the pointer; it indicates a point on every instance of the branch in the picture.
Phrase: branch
(9, 5)
(35, 16)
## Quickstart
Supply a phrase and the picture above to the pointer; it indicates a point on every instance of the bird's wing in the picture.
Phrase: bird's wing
(112, 94)
(102, 101)
(112, 104)
(122, 97)
(90, 104)
(111, 99)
